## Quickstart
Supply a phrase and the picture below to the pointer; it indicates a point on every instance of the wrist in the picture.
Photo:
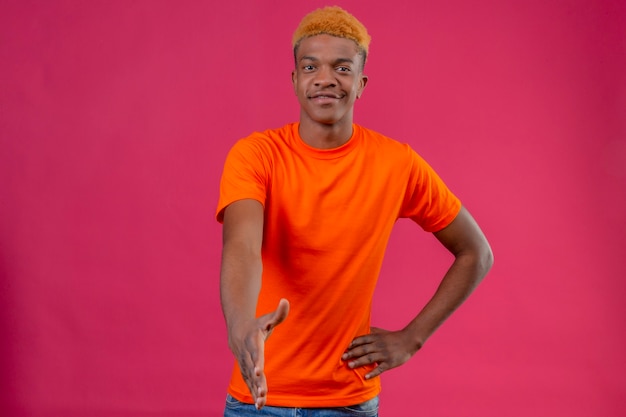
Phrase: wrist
(414, 338)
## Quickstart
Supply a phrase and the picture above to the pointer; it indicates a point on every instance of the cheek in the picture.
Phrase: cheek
(359, 89)
(297, 86)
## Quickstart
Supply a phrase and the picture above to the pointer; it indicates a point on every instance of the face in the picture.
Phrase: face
(328, 79)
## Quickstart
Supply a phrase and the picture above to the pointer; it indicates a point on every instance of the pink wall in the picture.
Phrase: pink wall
(115, 120)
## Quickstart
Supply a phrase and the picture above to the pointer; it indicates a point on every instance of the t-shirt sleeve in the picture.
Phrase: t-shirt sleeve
(428, 201)
(244, 175)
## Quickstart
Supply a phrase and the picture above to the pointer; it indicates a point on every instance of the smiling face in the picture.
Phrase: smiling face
(327, 80)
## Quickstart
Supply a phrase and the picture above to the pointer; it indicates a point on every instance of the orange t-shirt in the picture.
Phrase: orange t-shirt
(328, 216)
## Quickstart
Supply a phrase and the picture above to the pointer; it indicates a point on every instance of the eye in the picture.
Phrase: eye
(343, 69)
(308, 67)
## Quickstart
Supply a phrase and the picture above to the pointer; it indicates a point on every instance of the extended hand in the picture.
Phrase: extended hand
(248, 346)
(384, 348)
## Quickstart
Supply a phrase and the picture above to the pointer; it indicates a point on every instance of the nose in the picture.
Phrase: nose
(325, 77)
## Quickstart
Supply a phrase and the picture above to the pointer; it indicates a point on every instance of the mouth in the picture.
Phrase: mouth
(325, 97)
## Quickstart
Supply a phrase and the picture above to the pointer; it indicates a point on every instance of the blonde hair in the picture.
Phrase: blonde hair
(333, 21)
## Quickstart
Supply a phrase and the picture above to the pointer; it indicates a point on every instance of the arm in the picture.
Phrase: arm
(240, 284)
(472, 260)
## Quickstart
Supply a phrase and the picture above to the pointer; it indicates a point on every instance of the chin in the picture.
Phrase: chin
(327, 120)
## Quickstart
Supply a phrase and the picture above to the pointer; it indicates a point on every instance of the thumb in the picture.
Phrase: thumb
(276, 317)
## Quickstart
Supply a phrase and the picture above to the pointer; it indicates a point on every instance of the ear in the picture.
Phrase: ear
(362, 84)
(294, 78)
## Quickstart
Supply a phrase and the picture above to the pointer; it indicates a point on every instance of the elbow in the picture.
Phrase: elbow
(479, 260)
(485, 259)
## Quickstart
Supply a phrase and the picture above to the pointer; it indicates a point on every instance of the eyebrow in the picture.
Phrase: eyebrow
(337, 61)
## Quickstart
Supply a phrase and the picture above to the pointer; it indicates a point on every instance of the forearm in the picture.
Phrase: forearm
(391, 349)
(458, 283)
(240, 283)
(240, 278)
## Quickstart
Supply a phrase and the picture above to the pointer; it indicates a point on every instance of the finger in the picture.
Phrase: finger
(365, 360)
(260, 382)
(252, 364)
(258, 358)
(360, 341)
(261, 393)
(376, 371)
(363, 344)
(246, 365)
(367, 338)
(248, 370)
(269, 321)
(257, 382)
(357, 351)
(278, 316)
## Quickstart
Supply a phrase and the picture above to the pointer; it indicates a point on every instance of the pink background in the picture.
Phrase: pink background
(116, 117)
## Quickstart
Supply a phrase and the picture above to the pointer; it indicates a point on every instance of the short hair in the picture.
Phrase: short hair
(333, 21)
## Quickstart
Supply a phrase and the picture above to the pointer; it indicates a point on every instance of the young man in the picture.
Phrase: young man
(307, 211)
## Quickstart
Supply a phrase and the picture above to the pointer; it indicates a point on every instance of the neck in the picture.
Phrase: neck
(325, 136)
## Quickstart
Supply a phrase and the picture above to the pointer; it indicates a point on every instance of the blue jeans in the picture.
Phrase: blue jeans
(235, 408)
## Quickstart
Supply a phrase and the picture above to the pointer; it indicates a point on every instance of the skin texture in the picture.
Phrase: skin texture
(327, 80)
(240, 284)
(472, 260)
